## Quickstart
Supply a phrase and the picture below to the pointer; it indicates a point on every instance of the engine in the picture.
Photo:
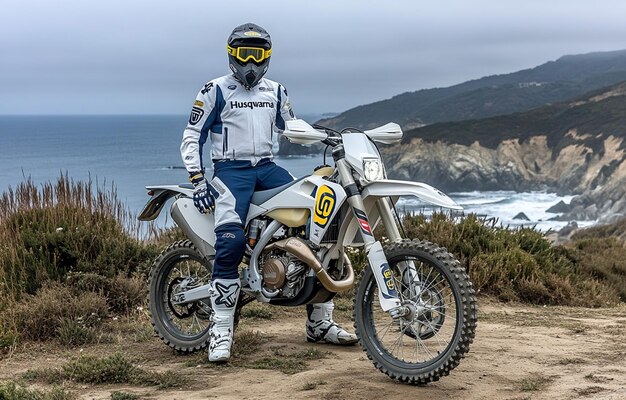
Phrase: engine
(282, 272)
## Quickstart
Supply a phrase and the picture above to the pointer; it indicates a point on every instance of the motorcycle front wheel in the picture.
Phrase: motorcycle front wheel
(429, 342)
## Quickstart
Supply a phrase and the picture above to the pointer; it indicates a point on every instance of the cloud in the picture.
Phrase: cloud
(153, 56)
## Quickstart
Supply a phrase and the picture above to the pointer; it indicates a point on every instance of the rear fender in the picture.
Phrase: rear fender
(199, 228)
(160, 195)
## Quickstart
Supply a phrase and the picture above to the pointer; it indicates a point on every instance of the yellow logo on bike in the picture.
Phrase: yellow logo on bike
(324, 205)
(388, 278)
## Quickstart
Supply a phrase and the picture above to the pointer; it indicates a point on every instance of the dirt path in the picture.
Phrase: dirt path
(520, 352)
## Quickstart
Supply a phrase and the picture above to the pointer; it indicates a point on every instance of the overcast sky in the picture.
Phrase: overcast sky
(152, 57)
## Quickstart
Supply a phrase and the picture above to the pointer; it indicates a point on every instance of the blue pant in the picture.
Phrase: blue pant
(234, 183)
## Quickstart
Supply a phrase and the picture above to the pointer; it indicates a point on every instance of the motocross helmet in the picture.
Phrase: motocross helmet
(249, 49)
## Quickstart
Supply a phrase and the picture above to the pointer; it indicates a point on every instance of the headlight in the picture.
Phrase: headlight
(373, 169)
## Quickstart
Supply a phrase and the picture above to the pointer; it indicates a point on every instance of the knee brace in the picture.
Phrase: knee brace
(230, 243)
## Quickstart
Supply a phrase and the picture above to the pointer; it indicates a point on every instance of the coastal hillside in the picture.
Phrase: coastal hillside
(575, 147)
(552, 82)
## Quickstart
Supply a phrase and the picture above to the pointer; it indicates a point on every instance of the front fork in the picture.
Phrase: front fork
(387, 291)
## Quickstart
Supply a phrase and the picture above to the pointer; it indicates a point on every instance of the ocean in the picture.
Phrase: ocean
(131, 152)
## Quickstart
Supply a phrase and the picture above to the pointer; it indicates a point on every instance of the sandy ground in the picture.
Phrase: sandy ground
(520, 352)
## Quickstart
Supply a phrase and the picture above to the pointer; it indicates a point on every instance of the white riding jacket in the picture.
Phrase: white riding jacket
(241, 124)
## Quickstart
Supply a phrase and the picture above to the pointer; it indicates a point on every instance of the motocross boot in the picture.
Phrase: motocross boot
(320, 326)
(224, 294)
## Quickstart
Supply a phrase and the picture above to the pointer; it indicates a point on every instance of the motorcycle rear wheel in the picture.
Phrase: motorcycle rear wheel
(430, 342)
(184, 328)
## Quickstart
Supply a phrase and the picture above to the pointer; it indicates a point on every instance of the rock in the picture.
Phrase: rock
(522, 216)
(591, 212)
(568, 229)
(559, 207)
(577, 213)
(610, 218)
(618, 207)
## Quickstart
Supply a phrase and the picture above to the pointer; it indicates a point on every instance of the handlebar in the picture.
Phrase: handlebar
(333, 137)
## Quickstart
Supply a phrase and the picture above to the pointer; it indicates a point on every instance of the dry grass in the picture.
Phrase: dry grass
(250, 351)
(56, 312)
(106, 370)
(124, 396)
(603, 259)
(69, 255)
(534, 382)
(12, 391)
(68, 226)
(597, 378)
(285, 361)
(257, 310)
(616, 230)
(590, 390)
(572, 361)
(313, 385)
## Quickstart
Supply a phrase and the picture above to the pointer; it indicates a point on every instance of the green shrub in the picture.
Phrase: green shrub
(88, 369)
(122, 293)
(54, 310)
(521, 265)
(126, 293)
(287, 363)
(11, 391)
(614, 230)
(65, 227)
(7, 341)
(68, 232)
(123, 396)
(106, 370)
(9, 337)
(257, 310)
(74, 333)
(602, 259)
(248, 342)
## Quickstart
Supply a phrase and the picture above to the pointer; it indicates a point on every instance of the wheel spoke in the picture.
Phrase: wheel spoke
(443, 280)
(385, 330)
(419, 342)
(437, 335)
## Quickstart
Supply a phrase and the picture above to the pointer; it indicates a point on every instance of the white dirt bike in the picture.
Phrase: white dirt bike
(414, 307)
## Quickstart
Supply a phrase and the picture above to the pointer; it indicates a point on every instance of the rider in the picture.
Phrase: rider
(239, 114)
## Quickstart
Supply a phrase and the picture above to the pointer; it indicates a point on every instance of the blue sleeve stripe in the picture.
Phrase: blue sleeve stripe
(219, 107)
(213, 122)
(280, 122)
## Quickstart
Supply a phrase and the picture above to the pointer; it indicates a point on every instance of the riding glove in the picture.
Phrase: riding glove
(202, 197)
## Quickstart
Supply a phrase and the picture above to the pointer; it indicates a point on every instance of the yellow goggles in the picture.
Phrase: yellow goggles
(245, 54)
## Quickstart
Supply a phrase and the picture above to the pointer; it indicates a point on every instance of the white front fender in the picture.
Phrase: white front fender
(420, 190)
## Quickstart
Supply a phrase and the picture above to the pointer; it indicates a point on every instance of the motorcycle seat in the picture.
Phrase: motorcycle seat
(262, 196)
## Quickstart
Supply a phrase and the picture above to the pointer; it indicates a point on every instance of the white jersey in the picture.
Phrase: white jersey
(240, 124)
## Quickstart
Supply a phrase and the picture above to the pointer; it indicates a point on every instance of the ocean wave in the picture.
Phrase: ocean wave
(482, 202)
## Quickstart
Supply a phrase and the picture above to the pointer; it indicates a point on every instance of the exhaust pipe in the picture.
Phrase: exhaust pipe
(299, 249)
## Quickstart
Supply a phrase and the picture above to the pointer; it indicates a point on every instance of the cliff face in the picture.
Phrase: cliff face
(578, 147)
(599, 177)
